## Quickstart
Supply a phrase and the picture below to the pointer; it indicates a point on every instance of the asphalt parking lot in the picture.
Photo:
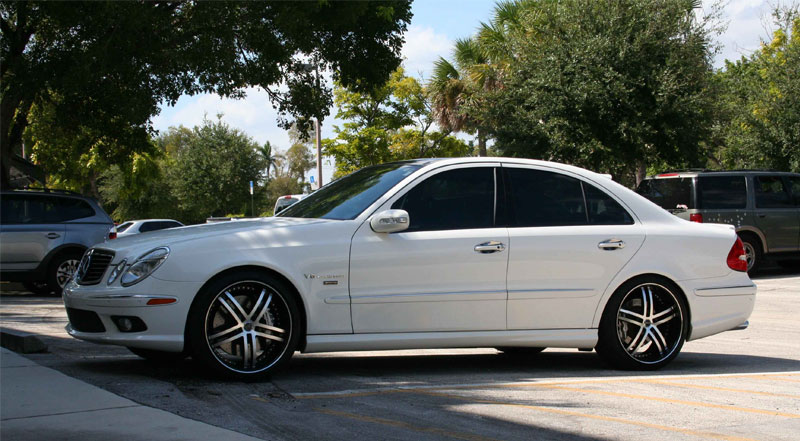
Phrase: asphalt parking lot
(733, 386)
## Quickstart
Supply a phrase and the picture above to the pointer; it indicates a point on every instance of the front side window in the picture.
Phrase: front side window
(457, 199)
(794, 185)
(771, 193)
(721, 192)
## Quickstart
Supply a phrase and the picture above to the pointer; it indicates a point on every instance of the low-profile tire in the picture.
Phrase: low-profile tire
(244, 325)
(644, 324)
(38, 288)
(753, 251)
(158, 356)
(520, 351)
(60, 271)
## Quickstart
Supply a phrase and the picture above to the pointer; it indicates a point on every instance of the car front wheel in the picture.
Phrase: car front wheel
(244, 325)
(644, 325)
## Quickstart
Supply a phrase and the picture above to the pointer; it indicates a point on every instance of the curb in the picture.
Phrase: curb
(22, 342)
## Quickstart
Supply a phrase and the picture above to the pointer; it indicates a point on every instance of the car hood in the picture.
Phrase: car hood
(173, 236)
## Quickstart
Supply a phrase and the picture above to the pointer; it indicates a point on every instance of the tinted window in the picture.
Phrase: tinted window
(668, 193)
(149, 226)
(603, 210)
(541, 199)
(67, 209)
(771, 193)
(721, 192)
(452, 200)
(347, 197)
(794, 185)
(36, 209)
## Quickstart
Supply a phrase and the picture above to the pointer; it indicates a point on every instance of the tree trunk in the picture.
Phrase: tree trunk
(481, 144)
(641, 172)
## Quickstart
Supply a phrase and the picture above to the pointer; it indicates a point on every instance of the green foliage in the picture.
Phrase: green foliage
(391, 122)
(758, 125)
(612, 86)
(101, 76)
(299, 159)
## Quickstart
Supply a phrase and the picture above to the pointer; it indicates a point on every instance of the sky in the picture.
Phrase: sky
(435, 26)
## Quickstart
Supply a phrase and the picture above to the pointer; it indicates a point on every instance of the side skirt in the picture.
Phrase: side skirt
(552, 338)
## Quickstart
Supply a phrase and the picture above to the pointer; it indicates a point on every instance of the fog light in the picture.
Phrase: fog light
(128, 323)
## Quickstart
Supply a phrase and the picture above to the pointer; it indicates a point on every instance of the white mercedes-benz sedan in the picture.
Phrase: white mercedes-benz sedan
(431, 253)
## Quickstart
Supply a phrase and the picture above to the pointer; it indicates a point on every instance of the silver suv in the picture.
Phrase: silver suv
(44, 233)
(764, 206)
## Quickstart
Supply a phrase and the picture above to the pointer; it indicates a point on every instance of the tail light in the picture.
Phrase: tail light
(696, 217)
(112, 233)
(737, 258)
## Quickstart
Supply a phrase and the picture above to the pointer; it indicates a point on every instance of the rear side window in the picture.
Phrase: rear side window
(545, 199)
(451, 200)
(771, 193)
(35, 209)
(721, 192)
(602, 209)
(668, 193)
(123, 227)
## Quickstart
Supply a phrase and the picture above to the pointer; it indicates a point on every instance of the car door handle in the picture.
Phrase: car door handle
(492, 246)
(53, 235)
(762, 215)
(611, 244)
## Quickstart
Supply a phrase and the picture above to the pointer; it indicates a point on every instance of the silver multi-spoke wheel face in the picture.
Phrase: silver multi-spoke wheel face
(65, 271)
(750, 254)
(248, 326)
(650, 323)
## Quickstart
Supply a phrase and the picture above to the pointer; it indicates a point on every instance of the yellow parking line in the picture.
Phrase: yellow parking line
(674, 401)
(723, 389)
(404, 425)
(696, 433)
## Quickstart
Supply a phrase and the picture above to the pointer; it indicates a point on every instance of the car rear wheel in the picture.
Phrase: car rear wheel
(245, 325)
(644, 325)
(753, 252)
(61, 270)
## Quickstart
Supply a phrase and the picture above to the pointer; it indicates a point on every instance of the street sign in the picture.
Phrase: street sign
(251, 187)
(311, 179)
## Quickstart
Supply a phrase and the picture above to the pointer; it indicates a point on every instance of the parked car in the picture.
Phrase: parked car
(285, 201)
(429, 253)
(144, 225)
(763, 206)
(44, 233)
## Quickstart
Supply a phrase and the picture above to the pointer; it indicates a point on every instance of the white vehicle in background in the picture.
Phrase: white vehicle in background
(145, 225)
(429, 253)
(285, 201)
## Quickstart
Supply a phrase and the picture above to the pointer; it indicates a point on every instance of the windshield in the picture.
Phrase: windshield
(347, 197)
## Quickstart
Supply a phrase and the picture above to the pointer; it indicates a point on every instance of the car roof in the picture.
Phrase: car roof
(695, 173)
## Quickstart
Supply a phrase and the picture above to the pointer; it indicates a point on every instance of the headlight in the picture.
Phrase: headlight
(117, 271)
(144, 266)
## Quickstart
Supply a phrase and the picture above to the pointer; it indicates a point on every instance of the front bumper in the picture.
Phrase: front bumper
(166, 323)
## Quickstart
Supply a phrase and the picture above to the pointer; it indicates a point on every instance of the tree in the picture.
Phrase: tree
(210, 171)
(270, 158)
(104, 67)
(391, 122)
(299, 159)
(612, 86)
(759, 122)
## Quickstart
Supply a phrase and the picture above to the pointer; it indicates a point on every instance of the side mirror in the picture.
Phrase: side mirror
(390, 221)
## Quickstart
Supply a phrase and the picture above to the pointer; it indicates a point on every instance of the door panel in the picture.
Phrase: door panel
(431, 277)
(427, 281)
(776, 215)
(557, 274)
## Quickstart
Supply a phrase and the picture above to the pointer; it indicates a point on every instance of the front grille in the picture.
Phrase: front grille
(85, 321)
(93, 265)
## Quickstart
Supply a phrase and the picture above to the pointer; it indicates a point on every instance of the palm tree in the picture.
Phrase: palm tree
(480, 62)
(269, 157)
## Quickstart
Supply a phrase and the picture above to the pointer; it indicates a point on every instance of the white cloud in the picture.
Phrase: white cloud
(422, 48)
(747, 24)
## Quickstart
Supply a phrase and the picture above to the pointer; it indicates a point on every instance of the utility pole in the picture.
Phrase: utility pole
(317, 127)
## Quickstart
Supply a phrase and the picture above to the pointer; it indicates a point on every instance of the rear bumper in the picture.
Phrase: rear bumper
(720, 304)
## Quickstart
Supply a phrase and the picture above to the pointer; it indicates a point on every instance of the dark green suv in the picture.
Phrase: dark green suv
(764, 206)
